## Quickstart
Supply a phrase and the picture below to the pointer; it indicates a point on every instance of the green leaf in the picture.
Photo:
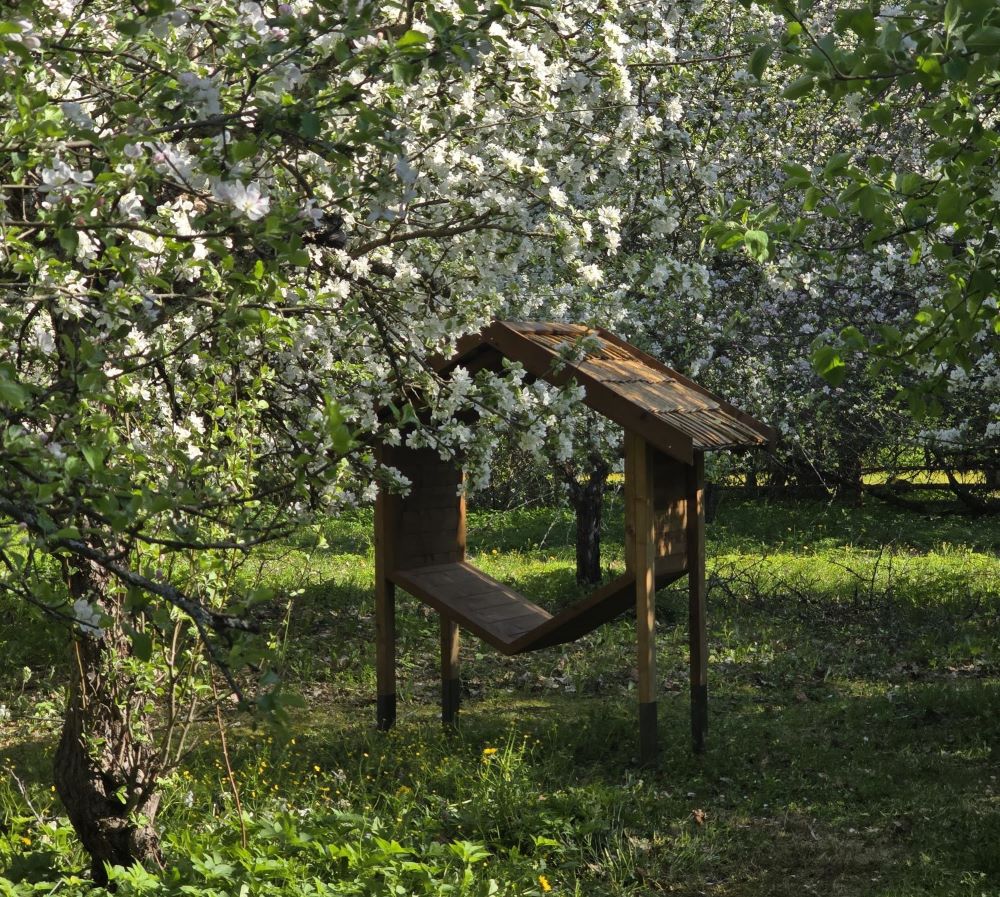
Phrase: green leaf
(756, 244)
(812, 198)
(405, 72)
(142, 645)
(952, 11)
(19, 50)
(929, 65)
(800, 87)
(129, 27)
(69, 239)
(258, 269)
(341, 439)
(93, 455)
(794, 170)
(309, 125)
(729, 240)
(243, 149)
(861, 22)
(868, 203)
(836, 164)
(829, 365)
(411, 39)
(125, 108)
(758, 61)
(12, 394)
(986, 39)
(852, 338)
(951, 205)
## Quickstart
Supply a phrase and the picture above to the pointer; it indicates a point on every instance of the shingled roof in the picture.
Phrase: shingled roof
(623, 383)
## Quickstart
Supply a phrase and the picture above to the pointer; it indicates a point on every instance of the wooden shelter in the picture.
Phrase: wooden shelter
(669, 423)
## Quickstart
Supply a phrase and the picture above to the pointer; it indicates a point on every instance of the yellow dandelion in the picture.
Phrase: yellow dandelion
(26, 841)
(316, 768)
(489, 751)
(544, 882)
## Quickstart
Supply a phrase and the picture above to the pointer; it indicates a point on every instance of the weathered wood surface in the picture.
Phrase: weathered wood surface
(385, 617)
(427, 526)
(599, 607)
(504, 618)
(477, 602)
(623, 383)
(697, 618)
(640, 468)
(450, 683)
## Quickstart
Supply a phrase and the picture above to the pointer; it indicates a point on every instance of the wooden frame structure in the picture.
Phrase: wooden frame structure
(669, 423)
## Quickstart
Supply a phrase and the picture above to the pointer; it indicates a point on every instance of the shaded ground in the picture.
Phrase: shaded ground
(854, 745)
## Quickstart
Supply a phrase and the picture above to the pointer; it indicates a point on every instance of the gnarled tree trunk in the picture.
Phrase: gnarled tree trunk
(587, 498)
(106, 764)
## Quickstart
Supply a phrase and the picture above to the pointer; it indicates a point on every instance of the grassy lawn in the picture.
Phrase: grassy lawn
(854, 745)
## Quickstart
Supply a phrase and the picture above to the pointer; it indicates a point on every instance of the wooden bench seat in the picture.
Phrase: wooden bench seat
(506, 619)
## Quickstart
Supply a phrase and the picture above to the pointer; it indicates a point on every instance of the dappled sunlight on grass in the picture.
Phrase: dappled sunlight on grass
(853, 747)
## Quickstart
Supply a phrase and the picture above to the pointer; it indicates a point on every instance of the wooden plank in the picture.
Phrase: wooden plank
(763, 432)
(429, 527)
(470, 598)
(385, 615)
(639, 467)
(542, 362)
(450, 684)
(697, 623)
(670, 543)
(386, 510)
(609, 370)
(669, 505)
(601, 606)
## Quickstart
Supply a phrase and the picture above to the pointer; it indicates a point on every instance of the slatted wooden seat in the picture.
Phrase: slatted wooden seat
(506, 619)
(478, 603)
(669, 423)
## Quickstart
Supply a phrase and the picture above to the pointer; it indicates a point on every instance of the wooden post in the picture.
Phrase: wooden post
(385, 635)
(697, 625)
(385, 618)
(450, 683)
(639, 473)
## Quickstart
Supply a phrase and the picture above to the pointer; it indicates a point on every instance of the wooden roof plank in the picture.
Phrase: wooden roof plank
(623, 383)
(544, 363)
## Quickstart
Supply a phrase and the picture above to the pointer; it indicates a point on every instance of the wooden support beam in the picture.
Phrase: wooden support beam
(385, 652)
(385, 614)
(697, 624)
(639, 474)
(450, 683)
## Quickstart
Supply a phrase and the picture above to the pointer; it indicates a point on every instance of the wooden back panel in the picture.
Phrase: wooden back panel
(670, 516)
(427, 526)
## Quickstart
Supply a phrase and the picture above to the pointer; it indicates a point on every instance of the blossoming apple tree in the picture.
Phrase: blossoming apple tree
(232, 238)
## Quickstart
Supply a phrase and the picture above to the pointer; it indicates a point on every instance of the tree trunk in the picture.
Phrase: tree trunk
(106, 764)
(588, 502)
(850, 474)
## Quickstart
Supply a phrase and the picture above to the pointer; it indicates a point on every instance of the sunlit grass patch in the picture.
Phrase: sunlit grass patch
(853, 747)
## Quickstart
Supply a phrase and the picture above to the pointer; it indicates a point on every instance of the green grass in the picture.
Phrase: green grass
(854, 745)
